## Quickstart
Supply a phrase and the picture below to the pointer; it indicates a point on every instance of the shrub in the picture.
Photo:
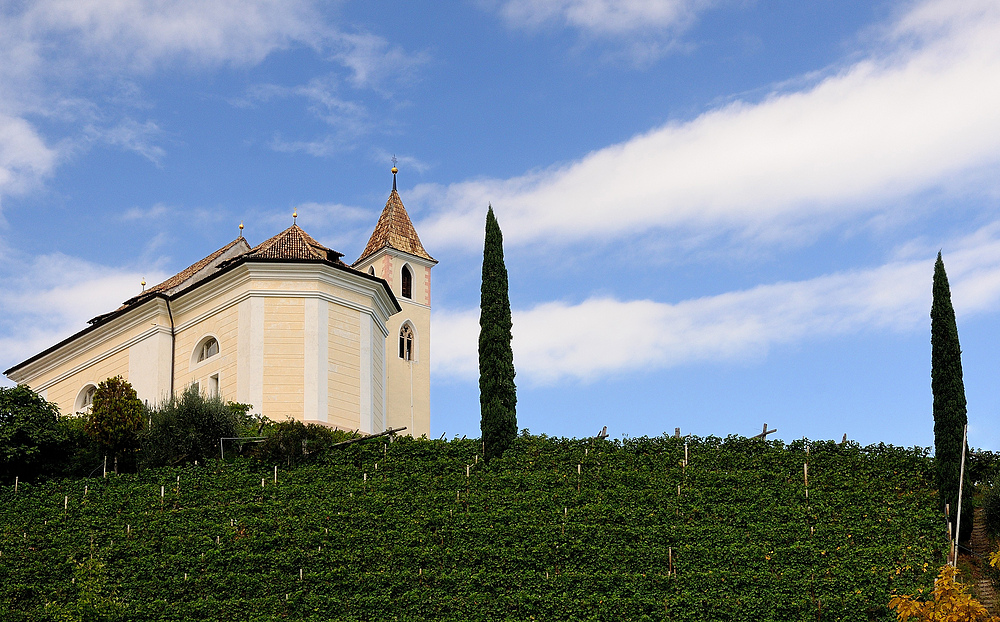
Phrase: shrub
(188, 428)
(293, 442)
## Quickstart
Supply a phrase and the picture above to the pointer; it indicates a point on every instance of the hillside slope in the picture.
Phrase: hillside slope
(525, 538)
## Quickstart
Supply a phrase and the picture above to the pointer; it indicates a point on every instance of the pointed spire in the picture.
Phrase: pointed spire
(395, 229)
(394, 171)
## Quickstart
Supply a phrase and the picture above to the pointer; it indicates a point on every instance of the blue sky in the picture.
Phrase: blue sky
(716, 213)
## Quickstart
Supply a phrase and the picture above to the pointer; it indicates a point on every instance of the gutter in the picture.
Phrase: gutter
(173, 347)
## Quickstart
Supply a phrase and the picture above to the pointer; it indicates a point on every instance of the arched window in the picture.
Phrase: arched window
(407, 282)
(406, 342)
(85, 399)
(371, 270)
(208, 349)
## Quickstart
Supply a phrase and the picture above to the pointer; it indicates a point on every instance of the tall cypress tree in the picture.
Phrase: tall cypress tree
(497, 393)
(948, 388)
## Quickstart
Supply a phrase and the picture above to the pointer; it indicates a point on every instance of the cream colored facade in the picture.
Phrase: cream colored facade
(300, 335)
(409, 380)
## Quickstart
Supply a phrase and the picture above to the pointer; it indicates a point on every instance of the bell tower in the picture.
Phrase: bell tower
(394, 253)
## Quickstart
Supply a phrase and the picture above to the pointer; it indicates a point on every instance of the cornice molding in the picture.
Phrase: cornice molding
(100, 357)
(388, 250)
(147, 311)
(382, 309)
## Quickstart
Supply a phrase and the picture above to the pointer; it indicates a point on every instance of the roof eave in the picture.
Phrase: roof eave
(388, 247)
(97, 322)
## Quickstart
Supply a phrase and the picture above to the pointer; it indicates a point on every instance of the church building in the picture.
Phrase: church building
(285, 326)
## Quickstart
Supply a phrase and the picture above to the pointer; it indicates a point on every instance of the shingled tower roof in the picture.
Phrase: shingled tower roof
(395, 230)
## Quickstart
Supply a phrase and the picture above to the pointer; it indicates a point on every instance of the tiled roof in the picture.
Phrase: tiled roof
(201, 269)
(194, 268)
(294, 243)
(394, 230)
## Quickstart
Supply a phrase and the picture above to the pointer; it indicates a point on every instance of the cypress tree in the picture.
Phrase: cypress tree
(497, 393)
(948, 388)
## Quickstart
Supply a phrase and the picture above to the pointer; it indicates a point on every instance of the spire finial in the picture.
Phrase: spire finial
(241, 228)
(394, 171)
(295, 214)
(143, 283)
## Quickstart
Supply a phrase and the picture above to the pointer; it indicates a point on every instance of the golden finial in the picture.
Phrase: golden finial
(143, 284)
(394, 171)
(241, 228)
(295, 214)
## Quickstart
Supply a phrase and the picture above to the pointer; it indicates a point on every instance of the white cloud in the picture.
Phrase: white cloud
(916, 115)
(139, 35)
(349, 119)
(49, 297)
(604, 17)
(131, 135)
(373, 61)
(404, 162)
(24, 156)
(52, 50)
(602, 335)
(155, 212)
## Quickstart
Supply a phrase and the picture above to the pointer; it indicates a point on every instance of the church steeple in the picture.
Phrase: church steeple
(395, 254)
(394, 230)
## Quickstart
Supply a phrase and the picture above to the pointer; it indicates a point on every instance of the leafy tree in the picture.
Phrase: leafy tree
(948, 388)
(116, 418)
(950, 602)
(188, 428)
(497, 392)
(30, 434)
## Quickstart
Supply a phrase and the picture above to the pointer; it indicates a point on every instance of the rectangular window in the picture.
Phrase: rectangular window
(213, 385)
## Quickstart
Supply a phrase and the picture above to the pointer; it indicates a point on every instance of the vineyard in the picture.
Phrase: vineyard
(642, 529)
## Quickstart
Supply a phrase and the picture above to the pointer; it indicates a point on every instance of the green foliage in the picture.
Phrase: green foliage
(948, 388)
(82, 455)
(292, 442)
(242, 411)
(188, 428)
(415, 539)
(89, 601)
(497, 393)
(982, 467)
(116, 418)
(30, 435)
(991, 512)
